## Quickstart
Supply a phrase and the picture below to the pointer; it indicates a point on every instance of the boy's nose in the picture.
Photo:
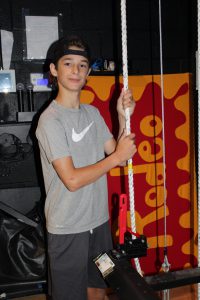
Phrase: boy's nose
(75, 69)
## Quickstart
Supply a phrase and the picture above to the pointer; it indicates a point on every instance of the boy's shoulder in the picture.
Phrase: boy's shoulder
(48, 115)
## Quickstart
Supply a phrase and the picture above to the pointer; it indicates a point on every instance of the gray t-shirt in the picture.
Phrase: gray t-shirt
(79, 133)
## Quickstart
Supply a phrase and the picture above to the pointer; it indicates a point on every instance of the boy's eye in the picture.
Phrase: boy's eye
(83, 66)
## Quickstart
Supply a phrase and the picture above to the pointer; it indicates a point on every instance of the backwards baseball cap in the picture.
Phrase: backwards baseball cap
(63, 47)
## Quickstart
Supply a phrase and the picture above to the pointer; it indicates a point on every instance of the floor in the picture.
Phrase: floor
(181, 293)
(43, 297)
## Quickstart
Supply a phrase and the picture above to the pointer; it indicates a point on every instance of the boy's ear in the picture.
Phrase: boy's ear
(53, 69)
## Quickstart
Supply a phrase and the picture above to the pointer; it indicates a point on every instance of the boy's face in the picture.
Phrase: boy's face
(72, 71)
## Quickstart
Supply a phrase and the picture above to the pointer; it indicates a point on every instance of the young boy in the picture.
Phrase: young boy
(73, 140)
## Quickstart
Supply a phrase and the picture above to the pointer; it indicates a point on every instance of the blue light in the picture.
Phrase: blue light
(42, 81)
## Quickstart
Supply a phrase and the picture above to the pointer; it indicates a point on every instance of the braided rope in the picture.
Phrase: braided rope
(128, 126)
(198, 171)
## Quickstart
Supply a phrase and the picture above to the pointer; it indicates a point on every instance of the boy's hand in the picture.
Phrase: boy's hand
(124, 101)
(126, 147)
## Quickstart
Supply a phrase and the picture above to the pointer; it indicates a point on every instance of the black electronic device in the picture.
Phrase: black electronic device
(132, 247)
(30, 97)
(119, 273)
(20, 96)
(116, 265)
(26, 116)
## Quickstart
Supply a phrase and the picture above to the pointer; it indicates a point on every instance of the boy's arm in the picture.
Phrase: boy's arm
(75, 178)
(118, 152)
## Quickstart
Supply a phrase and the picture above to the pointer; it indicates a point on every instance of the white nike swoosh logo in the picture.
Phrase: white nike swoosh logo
(77, 137)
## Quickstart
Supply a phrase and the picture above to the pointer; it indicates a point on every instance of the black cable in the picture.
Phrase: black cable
(1, 57)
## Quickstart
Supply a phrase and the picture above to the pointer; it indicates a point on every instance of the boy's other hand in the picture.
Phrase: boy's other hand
(126, 147)
(124, 101)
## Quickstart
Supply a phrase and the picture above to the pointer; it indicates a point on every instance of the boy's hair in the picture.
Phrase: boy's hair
(61, 48)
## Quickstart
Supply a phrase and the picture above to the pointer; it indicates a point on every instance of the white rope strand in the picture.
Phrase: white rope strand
(124, 45)
(128, 126)
(165, 264)
(198, 171)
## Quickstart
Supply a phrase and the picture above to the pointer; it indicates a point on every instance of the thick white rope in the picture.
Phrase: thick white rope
(198, 171)
(165, 264)
(128, 126)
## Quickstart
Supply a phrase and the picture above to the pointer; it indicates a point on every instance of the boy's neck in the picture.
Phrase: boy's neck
(69, 99)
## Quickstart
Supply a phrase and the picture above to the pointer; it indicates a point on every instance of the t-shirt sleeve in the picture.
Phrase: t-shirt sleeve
(52, 139)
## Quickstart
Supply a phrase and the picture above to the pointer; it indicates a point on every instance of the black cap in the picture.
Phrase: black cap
(62, 47)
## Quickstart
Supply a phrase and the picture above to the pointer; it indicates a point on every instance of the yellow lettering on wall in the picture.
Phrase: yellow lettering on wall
(154, 172)
(147, 153)
(153, 216)
(155, 196)
(151, 125)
